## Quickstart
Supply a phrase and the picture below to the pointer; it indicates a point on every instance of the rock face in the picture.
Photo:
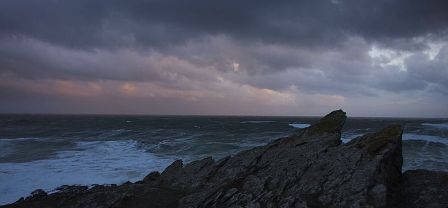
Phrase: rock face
(308, 169)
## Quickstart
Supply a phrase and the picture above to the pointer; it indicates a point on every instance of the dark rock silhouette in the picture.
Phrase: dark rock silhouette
(310, 168)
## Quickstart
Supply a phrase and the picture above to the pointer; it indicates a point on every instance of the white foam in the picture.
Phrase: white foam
(299, 125)
(428, 138)
(437, 125)
(94, 162)
(348, 137)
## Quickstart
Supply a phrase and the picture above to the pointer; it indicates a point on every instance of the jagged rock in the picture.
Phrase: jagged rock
(307, 169)
(311, 168)
(425, 189)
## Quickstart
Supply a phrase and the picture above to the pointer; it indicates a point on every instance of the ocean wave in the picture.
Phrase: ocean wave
(437, 125)
(427, 138)
(299, 125)
(92, 162)
(349, 136)
(419, 154)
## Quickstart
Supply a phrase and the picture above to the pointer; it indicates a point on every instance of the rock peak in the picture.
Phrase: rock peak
(376, 142)
(331, 123)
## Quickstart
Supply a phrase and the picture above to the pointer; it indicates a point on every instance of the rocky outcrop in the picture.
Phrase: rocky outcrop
(310, 168)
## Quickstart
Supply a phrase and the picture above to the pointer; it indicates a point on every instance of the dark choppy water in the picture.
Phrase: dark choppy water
(43, 151)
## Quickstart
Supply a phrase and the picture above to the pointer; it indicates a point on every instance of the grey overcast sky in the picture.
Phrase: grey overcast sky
(225, 57)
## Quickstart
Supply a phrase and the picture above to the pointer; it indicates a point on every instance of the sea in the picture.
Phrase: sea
(47, 151)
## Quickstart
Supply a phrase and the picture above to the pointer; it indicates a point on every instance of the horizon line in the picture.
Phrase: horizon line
(211, 115)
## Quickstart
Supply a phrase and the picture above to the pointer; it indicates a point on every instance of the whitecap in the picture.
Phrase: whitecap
(299, 125)
(437, 125)
(428, 138)
(345, 138)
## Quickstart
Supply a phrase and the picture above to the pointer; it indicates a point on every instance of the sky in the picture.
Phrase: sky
(225, 57)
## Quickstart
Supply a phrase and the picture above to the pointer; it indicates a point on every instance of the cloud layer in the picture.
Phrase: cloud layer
(372, 58)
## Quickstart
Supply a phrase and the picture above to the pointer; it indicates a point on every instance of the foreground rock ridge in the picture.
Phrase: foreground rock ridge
(311, 168)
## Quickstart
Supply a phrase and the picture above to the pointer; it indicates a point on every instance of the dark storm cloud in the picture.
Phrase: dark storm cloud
(155, 23)
(197, 55)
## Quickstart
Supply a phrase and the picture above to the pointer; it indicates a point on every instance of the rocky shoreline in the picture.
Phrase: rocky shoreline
(311, 168)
